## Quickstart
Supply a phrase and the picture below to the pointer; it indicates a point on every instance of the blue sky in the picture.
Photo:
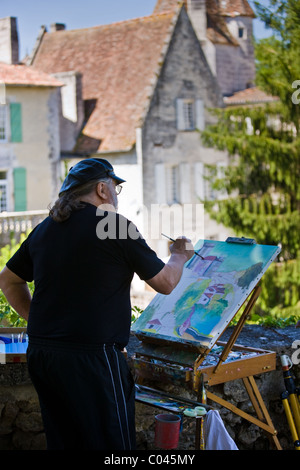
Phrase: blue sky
(32, 14)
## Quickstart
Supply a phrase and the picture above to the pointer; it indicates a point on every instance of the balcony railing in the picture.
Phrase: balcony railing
(13, 224)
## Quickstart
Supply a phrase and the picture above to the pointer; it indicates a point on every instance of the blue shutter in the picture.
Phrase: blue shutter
(20, 189)
(15, 122)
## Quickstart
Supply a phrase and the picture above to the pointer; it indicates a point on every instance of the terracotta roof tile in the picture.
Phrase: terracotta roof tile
(167, 5)
(119, 64)
(249, 96)
(234, 8)
(26, 76)
(220, 7)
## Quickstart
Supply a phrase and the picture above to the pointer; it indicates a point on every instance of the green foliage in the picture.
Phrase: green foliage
(283, 299)
(277, 57)
(135, 313)
(260, 188)
(263, 193)
(9, 250)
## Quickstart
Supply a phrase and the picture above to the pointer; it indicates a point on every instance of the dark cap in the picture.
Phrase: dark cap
(88, 170)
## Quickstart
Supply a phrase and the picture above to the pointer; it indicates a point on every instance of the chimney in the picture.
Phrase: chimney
(197, 14)
(9, 41)
(57, 27)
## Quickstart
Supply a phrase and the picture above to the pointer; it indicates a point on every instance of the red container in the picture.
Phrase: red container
(167, 428)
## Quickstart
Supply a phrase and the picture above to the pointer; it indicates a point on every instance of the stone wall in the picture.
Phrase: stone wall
(21, 426)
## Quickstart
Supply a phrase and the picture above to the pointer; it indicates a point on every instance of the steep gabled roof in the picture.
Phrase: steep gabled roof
(249, 96)
(119, 64)
(21, 75)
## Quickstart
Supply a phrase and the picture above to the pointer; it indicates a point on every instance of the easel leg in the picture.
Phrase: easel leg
(264, 421)
(260, 407)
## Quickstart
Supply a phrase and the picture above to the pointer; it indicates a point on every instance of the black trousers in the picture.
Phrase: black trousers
(86, 395)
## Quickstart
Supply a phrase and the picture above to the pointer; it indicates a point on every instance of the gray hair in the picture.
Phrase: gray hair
(69, 201)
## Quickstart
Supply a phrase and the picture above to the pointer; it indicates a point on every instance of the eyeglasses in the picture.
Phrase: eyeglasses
(118, 189)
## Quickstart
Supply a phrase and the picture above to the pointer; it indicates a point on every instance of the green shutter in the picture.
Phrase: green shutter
(15, 122)
(20, 189)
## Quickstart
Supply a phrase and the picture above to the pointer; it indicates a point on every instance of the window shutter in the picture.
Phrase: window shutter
(15, 122)
(185, 183)
(180, 114)
(160, 183)
(199, 180)
(20, 189)
(200, 119)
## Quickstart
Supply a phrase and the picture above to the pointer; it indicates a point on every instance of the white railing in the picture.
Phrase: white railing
(12, 224)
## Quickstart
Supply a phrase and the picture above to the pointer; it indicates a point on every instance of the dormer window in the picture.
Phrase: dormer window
(190, 114)
(241, 33)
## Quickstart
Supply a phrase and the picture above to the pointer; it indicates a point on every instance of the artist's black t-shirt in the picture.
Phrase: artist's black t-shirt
(82, 270)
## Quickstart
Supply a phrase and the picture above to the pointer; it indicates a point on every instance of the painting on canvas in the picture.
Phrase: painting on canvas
(209, 294)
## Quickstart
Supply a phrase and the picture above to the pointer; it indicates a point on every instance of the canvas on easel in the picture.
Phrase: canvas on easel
(209, 294)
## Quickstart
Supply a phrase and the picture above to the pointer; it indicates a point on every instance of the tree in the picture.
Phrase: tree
(262, 180)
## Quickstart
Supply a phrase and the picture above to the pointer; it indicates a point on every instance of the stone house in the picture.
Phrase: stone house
(137, 92)
(29, 133)
(224, 29)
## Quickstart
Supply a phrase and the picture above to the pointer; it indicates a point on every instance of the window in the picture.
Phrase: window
(3, 192)
(13, 118)
(3, 123)
(172, 184)
(190, 114)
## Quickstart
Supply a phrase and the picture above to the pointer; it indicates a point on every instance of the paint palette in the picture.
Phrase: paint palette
(13, 345)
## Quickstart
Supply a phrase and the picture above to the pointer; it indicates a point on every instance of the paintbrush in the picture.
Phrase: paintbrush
(172, 240)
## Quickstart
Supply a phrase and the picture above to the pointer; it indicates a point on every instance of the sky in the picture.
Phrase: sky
(75, 14)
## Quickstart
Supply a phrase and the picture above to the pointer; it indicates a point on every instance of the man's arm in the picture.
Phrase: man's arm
(167, 279)
(16, 292)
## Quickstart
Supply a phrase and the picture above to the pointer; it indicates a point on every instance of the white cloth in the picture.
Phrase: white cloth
(216, 435)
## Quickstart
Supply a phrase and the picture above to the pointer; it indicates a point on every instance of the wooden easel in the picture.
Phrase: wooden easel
(263, 419)
(221, 373)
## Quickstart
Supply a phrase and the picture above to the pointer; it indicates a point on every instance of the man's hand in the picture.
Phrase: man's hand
(182, 246)
(167, 279)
